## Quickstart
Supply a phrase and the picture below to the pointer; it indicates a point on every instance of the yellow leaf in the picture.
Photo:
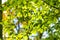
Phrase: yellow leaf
(56, 11)
(4, 16)
(25, 38)
(19, 14)
(40, 30)
(20, 35)
(34, 32)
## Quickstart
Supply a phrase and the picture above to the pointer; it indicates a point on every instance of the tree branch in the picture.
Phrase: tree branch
(51, 5)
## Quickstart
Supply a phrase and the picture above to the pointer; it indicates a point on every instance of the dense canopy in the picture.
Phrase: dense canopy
(31, 20)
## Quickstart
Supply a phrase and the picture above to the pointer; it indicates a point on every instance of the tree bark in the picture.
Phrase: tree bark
(0, 20)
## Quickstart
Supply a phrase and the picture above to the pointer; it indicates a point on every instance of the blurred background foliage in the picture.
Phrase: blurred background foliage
(31, 20)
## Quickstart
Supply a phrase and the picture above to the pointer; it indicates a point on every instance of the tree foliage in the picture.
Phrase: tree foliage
(23, 18)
